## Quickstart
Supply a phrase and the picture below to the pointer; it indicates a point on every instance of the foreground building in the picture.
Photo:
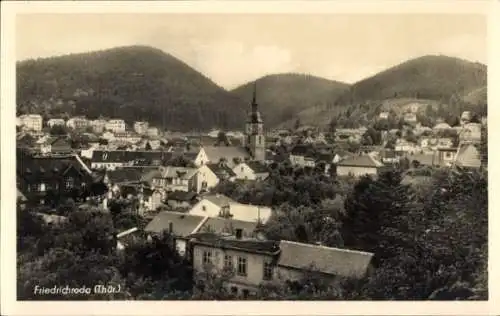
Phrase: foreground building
(247, 264)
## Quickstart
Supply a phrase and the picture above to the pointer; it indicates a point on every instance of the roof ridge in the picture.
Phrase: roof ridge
(329, 248)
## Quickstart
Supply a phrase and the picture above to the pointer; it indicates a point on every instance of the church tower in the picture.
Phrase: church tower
(254, 131)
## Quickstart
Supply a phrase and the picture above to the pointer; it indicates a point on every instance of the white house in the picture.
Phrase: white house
(152, 132)
(141, 127)
(98, 126)
(205, 179)
(127, 137)
(116, 125)
(213, 206)
(53, 122)
(358, 166)
(176, 179)
(383, 115)
(32, 122)
(77, 123)
(251, 170)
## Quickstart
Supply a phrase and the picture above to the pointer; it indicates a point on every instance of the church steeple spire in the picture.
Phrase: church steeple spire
(254, 98)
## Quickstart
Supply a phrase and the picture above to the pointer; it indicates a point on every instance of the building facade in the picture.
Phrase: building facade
(31, 122)
(116, 126)
(141, 127)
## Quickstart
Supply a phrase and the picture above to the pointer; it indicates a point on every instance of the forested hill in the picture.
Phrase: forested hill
(450, 81)
(429, 77)
(132, 83)
(282, 96)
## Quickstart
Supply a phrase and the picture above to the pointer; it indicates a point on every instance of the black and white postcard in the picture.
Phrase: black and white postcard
(226, 157)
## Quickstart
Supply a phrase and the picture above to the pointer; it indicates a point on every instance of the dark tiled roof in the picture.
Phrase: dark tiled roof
(122, 175)
(135, 157)
(182, 196)
(335, 261)
(325, 157)
(257, 167)
(219, 225)
(424, 159)
(255, 246)
(36, 169)
(182, 224)
(361, 161)
(215, 153)
(301, 150)
(221, 170)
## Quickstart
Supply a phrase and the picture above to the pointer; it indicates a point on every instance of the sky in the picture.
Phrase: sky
(234, 49)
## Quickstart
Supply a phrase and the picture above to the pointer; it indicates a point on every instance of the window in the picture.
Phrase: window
(207, 257)
(242, 169)
(204, 185)
(204, 208)
(242, 266)
(234, 290)
(69, 183)
(41, 187)
(268, 271)
(228, 262)
(246, 293)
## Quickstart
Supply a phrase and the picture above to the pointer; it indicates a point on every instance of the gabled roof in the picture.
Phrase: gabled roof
(221, 170)
(178, 172)
(122, 175)
(36, 169)
(221, 225)
(253, 246)
(135, 157)
(215, 153)
(361, 161)
(468, 156)
(219, 199)
(182, 224)
(424, 159)
(301, 150)
(181, 196)
(335, 261)
(325, 157)
(257, 167)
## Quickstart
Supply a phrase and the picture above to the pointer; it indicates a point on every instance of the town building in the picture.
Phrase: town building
(141, 128)
(112, 159)
(115, 125)
(176, 179)
(383, 115)
(56, 122)
(98, 126)
(359, 166)
(444, 157)
(78, 123)
(45, 179)
(471, 133)
(31, 122)
(251, 170)
(249, 263)
(468, 156)
(56, 145)
(152, 132)
(213, 205)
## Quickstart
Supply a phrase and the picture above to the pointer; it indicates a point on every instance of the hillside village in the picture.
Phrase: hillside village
(253, 212)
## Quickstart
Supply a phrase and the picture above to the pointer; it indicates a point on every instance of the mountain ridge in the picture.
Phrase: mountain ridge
(281, 96)
(131, 82)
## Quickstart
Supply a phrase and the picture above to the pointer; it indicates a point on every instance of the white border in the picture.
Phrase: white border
(10, 306)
